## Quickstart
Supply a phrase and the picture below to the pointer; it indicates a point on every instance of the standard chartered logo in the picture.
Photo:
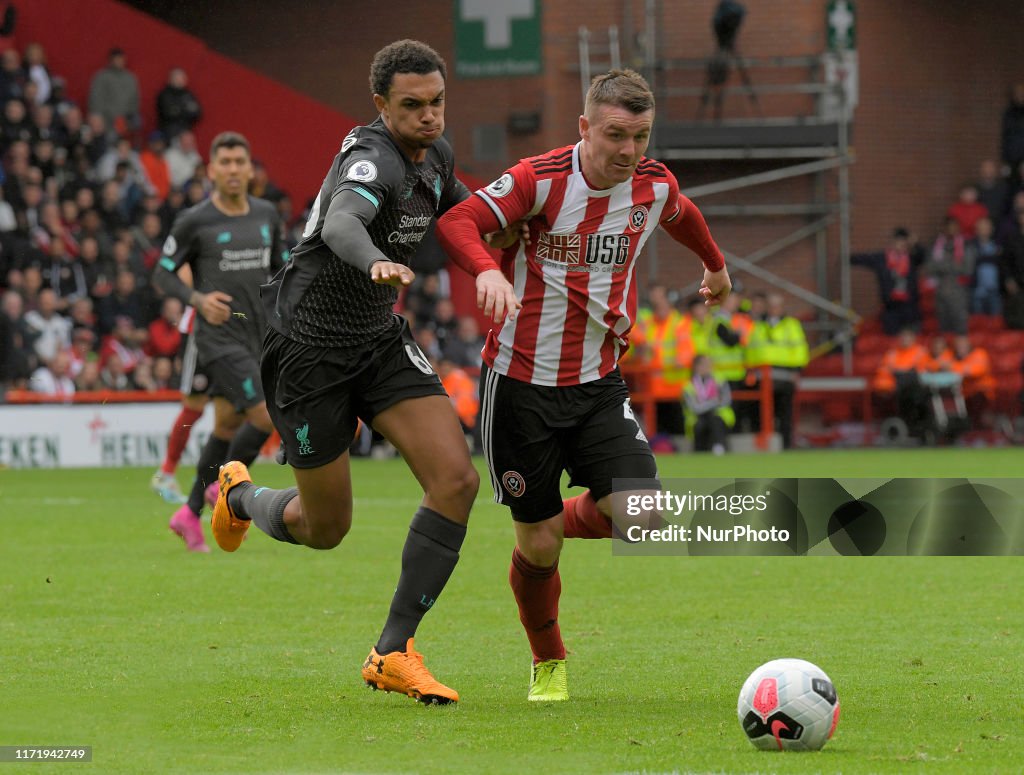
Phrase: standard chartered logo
(242, 260)
(417, 222)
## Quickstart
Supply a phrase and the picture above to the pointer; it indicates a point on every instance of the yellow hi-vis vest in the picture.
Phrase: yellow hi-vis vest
(670, 352)
(781, 344)
(727, 361)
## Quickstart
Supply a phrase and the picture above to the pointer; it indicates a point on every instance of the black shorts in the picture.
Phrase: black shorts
(194, 379)
(235, 375)
(317, 393)
(531, 433)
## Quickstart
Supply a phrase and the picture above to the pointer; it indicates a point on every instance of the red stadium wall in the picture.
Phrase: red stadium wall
(292, 134)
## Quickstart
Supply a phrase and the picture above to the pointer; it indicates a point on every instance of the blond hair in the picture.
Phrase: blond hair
(619, 88)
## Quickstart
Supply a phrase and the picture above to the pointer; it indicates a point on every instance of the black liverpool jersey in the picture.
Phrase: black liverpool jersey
(320, 300)
(235, 254)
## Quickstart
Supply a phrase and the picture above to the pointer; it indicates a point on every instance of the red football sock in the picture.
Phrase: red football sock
(180, 432)
(537, 591)
(583, 520)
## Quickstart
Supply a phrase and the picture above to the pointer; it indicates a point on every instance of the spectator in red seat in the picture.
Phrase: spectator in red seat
(261, 185)
(974, 365)
(1013, 128)
(183, 158)
(898, 374)
(12, 76)
(20, 357)
(950, 267)
(88, 378)
(83, 342)
(940, 357)
(113, 375)
(52, 331)
(82, 316)
(52, 379)
(149, 239)
(95, 136)
(896, 268)
(65, 275)
(155, 165)
(986, 298)
(126, 302)
(1013, 275)
(44, 127)
(164, 337)
(967, 211)
(177, 108)
(8, 220)
(164, 377)
(75, 134)
(37, 72)
(993, 190)
(15, 125)
(114, 94)
(124, 342)
(97, 271)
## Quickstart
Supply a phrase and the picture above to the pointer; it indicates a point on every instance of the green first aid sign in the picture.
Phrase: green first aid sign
(841, 25)
(497, 38)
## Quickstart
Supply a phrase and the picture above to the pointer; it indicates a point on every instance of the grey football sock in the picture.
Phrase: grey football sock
(265, 507)
(428, 559)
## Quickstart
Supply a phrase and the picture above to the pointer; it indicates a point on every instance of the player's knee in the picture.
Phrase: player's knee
(458, 487)
(328, 536)
(541, 547)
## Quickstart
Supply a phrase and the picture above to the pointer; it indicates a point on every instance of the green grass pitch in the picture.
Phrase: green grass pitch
(111, 635)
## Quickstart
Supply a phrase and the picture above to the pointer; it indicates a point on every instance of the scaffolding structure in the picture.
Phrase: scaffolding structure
(808, 136)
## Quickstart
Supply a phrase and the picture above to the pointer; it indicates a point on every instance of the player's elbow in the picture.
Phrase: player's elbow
(333, 234)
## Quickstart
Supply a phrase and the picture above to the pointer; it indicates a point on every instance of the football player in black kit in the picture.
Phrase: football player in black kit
(335, 351)
(230, 242)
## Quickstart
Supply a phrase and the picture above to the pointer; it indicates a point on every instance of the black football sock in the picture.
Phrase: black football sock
(207, 470)
(265, 507)
(428, 559)
(246, 445)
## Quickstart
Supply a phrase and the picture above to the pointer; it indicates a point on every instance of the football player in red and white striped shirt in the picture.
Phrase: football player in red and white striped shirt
(551, 392)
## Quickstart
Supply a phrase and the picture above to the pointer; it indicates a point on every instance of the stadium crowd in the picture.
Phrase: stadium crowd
(87, 198)
(88, 195)
(961, 293)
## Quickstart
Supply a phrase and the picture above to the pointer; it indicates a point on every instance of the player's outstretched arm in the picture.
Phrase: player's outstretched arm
(344, 231)
(459, 232)
(687, 226)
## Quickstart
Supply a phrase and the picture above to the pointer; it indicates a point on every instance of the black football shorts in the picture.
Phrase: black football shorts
(532, 433)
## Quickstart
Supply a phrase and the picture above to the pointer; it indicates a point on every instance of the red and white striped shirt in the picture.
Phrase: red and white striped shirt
(577, 277)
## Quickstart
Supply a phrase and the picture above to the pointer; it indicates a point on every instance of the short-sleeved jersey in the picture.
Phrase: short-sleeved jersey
(322, 301)
(576, 278)
(235, 254)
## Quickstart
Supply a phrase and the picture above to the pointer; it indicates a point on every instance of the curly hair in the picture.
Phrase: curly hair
(403, 56)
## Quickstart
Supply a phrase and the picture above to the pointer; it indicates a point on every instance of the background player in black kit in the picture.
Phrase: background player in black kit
(230, 241)
(336, 351)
